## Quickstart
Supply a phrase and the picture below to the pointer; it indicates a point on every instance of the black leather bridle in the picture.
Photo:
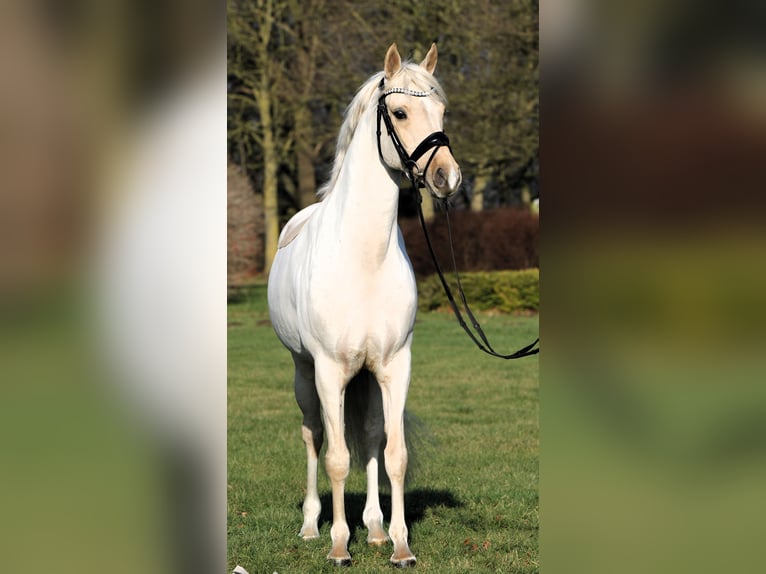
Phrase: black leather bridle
(417, 180)
(409, 161)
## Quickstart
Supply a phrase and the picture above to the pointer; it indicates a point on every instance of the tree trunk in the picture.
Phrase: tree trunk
(526, 197)
(307, 186)
(427, 205)
(303, 131)
(479, 185)
(269, 149)
(270, 193)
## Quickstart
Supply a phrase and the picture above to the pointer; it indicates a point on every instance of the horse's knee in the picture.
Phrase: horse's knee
(338, 463)
(396, 461)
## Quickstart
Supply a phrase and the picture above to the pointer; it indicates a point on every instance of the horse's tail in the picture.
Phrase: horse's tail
(358, 407)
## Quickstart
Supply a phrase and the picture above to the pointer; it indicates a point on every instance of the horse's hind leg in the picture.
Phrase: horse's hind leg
(308, 401)
(374, 438)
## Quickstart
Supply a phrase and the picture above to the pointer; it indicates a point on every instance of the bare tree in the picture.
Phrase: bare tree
(493, 91)
(295, 64)
(253, 36)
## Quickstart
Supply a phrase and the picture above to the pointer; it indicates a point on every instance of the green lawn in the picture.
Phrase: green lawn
(471, 505)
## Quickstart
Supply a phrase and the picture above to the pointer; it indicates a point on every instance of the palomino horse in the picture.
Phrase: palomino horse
(342, 292)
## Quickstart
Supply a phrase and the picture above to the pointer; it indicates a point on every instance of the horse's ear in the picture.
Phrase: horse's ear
(429, 62)
(393, 61)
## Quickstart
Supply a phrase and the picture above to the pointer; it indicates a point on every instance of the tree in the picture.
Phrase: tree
(294, 66)
(493, 89)
(253, 37)
(304, 35)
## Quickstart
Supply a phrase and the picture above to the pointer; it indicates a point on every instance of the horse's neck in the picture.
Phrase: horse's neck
(366, 200)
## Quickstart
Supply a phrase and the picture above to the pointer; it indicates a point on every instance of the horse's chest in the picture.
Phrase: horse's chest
(366, 322)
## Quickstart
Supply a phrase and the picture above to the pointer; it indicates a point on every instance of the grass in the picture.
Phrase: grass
(473, 502)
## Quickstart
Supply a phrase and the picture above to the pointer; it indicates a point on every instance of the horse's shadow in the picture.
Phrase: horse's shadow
(416, 503)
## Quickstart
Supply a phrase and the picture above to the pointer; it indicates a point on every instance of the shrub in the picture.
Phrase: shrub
(490, 240)
(503, 291)
(245, 222)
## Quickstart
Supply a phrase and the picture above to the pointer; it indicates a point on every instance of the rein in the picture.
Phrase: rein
(416, 178)
(484, 344)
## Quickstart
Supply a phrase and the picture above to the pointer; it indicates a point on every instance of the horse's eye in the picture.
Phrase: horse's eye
(400, 114)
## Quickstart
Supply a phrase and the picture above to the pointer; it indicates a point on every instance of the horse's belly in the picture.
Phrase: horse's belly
(282, 304)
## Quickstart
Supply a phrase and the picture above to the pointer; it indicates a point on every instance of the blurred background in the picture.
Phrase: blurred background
(112, 286)
(113, 266)
(653, 118)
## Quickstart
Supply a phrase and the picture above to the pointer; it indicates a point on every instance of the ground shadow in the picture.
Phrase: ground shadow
(416, 503)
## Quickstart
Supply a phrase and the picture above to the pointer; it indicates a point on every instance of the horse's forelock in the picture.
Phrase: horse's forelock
(414, 77)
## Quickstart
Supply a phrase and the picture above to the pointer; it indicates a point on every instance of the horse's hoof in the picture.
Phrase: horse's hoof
(309, 533)
(340, 561)
(377, 541)
(404, 563)
(377, 537)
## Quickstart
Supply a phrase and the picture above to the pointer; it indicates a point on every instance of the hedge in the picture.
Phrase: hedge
(503, 291)
(490, 240)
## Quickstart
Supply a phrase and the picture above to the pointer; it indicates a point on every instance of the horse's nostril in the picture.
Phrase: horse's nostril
(439, 179)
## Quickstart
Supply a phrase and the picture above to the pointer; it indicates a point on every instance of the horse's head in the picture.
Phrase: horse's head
(412, 106)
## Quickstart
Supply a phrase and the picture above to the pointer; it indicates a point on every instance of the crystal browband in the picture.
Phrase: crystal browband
(407, 92)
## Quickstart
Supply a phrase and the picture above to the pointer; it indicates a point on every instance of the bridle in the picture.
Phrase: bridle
(417, 180)
(409, 161)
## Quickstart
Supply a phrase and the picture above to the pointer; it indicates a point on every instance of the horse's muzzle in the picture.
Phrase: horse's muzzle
(443, 176)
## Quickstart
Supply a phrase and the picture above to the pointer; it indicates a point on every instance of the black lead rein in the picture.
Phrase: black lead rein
(416, 177)
(486, 346)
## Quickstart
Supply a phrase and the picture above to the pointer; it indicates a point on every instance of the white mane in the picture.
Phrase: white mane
(411, 76)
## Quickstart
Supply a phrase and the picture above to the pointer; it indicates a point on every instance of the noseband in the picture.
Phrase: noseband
(409, 161)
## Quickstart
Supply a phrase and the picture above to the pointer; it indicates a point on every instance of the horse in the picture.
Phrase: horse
(342, 295)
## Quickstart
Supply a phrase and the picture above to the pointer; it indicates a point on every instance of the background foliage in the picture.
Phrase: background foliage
(294, 66)
(491, 240)
(500, 291)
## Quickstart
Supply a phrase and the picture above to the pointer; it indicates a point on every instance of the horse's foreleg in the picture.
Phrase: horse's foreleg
(374, 437)
(394, 382)
(308, 401)
(330, 382)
